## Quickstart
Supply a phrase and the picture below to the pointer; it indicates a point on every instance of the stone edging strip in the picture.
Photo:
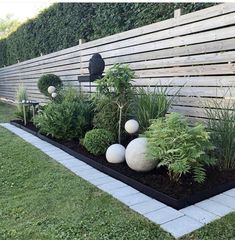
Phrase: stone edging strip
(176, 222)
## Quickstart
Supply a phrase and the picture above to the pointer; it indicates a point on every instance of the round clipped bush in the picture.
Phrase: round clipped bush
(96, 141)
(115, 153)
(48, 80)
(136, 157)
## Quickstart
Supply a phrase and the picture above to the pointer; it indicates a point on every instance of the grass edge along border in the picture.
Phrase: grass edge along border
(162, 197)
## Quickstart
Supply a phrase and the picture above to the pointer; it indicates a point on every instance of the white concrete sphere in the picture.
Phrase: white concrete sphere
(51, 89)
(136, 156)
(115, 153)
(54, 94)
(23, 101)
(132, 126)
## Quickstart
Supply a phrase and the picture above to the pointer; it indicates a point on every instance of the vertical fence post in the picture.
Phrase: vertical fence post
(81, 41)
(177, 13)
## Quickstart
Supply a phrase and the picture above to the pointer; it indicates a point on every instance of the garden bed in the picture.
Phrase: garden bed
(156, 183)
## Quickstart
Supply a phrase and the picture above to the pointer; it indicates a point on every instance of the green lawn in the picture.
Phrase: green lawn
(40, 199)
(6, 112)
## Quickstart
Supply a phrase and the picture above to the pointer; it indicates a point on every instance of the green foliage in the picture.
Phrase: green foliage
(178, 147)
(151, 104)
(97, 141)
(222, 124)
(8, 25)
(66, 119)
(48, 80)
(7, 112)
(114, 98)
(63, 24)
(21, 95)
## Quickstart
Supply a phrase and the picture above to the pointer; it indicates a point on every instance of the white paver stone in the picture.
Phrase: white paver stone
(214, 207)
(181, 226)
(163, 215)
(225, 200)
(147, 207)
(133, 199)
(199, 214)
(125, 191)
(230, 193)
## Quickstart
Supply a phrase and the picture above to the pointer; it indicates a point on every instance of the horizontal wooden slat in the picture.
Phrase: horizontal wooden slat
(192, 55)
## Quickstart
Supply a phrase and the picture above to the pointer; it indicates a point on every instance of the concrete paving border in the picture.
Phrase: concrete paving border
(176, 222)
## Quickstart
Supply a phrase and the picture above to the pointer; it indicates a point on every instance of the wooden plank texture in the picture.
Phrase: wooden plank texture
(192, 55)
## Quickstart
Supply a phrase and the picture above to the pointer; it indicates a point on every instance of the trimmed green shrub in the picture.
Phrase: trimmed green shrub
(66, 119)
(63, 24)
(114, 98)
(48, 80)
(222, 125)
(97, 141)
(178, 147)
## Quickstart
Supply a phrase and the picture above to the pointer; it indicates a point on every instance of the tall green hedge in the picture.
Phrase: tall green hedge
(63, 24)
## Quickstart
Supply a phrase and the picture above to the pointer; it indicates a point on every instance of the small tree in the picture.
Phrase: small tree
(118, 91)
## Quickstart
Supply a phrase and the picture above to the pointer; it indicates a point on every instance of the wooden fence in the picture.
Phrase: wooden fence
(195, 51)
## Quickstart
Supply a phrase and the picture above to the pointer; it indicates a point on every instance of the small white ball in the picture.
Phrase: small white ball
(54, 94)
(23, 101)
(132, 126)
(115, 153)
(51, 89)
(136, 157)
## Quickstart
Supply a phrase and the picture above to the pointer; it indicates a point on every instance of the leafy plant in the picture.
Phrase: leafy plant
(97, 141)
(222, 124)
(180, 148)
(48, 80)
(68, 118)
(21, 95)
(114, 98)
(151, 104)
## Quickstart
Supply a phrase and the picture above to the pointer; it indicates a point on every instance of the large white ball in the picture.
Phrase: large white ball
(115, 153)
(136, 156)
(132, 126)
(51, 89)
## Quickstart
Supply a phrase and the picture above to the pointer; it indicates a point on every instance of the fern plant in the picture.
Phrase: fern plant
(178, 147)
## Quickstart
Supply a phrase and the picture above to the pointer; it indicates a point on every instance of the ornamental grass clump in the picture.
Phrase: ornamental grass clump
(222, 125)
(151, 104)
(68, 118)
(21, 97)
(179, 148)
(96, 141)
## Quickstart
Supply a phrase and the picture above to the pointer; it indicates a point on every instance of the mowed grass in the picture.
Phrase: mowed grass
(40, 199)
(6, 112)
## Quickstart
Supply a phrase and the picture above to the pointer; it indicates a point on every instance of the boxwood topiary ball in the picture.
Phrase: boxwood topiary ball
(96, 141)
(48, 80)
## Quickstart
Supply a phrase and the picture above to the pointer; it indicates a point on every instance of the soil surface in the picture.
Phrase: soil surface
(158, 178)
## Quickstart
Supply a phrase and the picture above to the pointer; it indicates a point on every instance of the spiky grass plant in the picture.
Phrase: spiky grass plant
(222, 125)
(21, 95)
(151, 104)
